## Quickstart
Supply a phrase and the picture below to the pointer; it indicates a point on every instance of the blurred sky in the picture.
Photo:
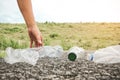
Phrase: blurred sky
(64, 11)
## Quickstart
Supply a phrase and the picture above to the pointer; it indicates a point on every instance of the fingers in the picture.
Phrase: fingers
(31, 43)
(41, 41)
(35, 39)
(38, 43)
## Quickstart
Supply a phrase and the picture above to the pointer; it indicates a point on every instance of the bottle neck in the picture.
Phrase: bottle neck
(72, 56)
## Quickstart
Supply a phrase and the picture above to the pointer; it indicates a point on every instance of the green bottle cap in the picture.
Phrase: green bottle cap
(72, 56)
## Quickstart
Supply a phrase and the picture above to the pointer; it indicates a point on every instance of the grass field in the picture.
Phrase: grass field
(90, 36)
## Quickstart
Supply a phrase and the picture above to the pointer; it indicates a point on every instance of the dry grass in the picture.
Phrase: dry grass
(90, 36)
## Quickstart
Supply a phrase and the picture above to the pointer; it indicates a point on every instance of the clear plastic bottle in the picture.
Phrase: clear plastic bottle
(55, 51)
(76, 52)
(106, 55)
(31, 55)
(28, 55)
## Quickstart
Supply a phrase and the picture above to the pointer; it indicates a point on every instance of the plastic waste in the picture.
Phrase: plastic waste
(31, 55)
(90, 56)
(21, 55)
(76, 52)
(106, 55)
(49, 51)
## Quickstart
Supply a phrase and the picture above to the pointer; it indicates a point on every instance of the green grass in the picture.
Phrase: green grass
(90, 36)
(2, 54)
(7, 42)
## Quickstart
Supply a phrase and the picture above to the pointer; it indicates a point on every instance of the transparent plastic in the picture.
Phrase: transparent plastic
(49, 51)
(31, 55)
(107, 55)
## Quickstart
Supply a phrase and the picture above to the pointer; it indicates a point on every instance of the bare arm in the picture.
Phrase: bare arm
(33, 31)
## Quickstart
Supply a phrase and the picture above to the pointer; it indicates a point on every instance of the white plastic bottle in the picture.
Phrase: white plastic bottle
(76, 52)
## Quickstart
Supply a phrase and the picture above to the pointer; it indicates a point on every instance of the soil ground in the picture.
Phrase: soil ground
(59, 69)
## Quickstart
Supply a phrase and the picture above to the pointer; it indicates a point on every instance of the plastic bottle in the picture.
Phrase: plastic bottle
(28, 55)
(31, 55)
(90, 56)
(110, 54)
(76, 52)
(55, 51)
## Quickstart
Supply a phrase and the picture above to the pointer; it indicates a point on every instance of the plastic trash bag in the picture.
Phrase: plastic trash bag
(107, 55)
(31, 55)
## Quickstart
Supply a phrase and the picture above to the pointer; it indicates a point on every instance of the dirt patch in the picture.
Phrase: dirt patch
(59, 69)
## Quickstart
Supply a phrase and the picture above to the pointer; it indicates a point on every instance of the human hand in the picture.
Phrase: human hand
(33, 31)
(35, 37)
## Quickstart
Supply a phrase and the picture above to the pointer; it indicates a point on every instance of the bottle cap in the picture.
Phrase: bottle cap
(72, 56)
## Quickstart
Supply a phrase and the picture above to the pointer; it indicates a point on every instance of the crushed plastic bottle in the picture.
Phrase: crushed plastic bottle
(106, 55)
(31, 55)
(21, 55)
(49, 51)
(76, 52)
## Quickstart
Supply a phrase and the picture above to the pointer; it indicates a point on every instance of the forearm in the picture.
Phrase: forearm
(27, 12)
(33, 31)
